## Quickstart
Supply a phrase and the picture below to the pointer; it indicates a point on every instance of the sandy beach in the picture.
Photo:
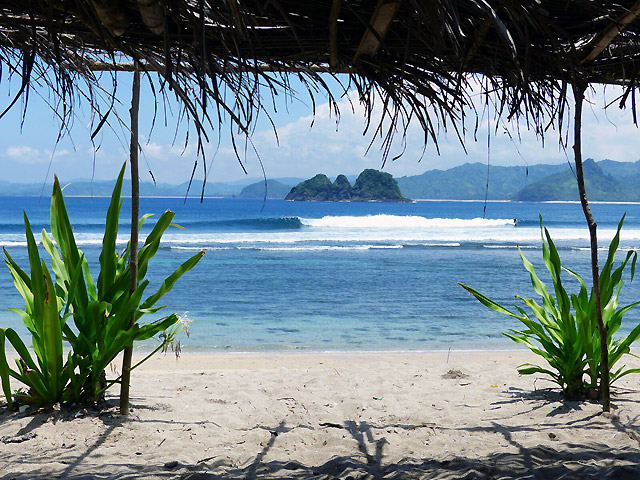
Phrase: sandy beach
(331, 415)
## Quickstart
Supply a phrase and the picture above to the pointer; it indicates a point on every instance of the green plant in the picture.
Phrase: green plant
(101, 313)
(610, 285)
(46, 377)
(563, 329)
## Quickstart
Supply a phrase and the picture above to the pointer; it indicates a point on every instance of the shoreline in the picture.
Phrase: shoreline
(207, 351)
(413, 200)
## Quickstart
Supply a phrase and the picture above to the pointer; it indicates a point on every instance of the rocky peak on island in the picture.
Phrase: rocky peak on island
(370, 186)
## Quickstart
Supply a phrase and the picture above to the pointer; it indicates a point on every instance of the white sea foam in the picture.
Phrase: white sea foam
(9, 244)
(365, 232)
(401, 221)
(315, 248)
(195, 248)
(433, 244)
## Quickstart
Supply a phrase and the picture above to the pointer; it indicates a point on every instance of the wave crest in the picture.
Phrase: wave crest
(401, 221)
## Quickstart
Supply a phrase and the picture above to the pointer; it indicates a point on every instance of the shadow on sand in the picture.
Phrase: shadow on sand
(595, 461)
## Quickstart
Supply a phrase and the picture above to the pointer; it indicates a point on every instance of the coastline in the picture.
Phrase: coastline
(412, 200)
(331, 415)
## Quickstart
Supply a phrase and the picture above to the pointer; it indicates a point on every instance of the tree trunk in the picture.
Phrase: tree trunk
(133, 253)
(578, 93)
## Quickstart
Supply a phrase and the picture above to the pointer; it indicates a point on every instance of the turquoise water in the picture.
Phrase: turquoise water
(338, 276)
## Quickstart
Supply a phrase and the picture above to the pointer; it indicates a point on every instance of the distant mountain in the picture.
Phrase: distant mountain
(275, 189)
(627, 173)
(604, 181)
(100, 188)
(469, 181)
(147, 189)
(371, 186)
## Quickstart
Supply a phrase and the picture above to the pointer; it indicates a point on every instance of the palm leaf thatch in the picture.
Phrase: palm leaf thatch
(225, 59)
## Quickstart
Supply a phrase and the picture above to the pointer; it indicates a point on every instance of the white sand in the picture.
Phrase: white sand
(383, 415)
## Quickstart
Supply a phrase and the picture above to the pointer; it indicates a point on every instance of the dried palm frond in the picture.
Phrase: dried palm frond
(225, 59)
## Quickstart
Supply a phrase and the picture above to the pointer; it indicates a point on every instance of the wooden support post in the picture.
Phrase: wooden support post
(133, 254)
(603, 330)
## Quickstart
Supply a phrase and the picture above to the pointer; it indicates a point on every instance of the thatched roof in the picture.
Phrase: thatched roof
(221, 57)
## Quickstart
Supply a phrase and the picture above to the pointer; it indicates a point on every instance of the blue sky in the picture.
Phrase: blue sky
(26, 153)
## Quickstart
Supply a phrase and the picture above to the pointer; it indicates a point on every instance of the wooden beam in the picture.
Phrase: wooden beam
(95, 66)
(378, 27)
(602, 41)
(336, 6)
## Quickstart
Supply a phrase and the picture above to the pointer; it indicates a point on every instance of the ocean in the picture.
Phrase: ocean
(305, 276)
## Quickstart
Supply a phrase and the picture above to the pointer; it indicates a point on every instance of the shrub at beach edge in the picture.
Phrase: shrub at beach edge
(563, 329)
(101, 312)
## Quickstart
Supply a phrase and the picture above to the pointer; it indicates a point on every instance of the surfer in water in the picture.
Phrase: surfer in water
(515, 222)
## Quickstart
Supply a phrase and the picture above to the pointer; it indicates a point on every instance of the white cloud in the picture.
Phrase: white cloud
(167, 152)
(304, 150)
(24, 154)
(27, 155)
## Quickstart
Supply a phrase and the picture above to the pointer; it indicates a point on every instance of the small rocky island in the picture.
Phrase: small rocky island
(371, 186)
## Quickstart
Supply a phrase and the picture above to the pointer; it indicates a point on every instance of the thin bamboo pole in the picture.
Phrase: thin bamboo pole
(135, 215)
(336, 6)
(578, 93)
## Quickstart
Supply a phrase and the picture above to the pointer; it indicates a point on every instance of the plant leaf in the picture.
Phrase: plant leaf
(4, 371)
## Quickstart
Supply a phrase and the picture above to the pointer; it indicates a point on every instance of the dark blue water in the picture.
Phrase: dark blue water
(338, 276)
